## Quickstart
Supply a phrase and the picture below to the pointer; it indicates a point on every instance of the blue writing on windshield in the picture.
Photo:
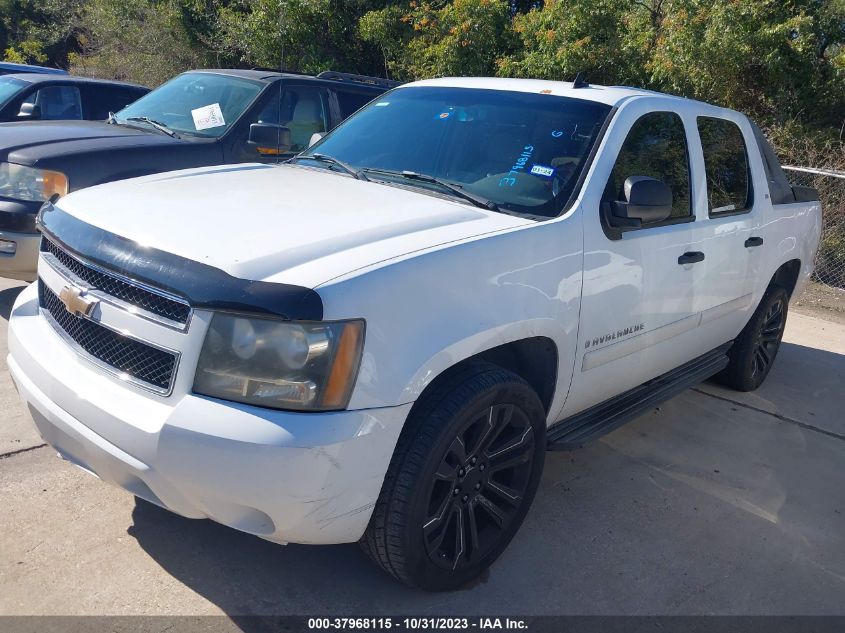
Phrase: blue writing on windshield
(518, 167)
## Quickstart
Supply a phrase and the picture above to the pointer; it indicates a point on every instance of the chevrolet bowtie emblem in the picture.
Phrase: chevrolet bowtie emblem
(76, 301)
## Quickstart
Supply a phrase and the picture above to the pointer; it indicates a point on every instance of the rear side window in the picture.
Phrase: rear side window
(656, 147)
(351, 102)
(726, 165)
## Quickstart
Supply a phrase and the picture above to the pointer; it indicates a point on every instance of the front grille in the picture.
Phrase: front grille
(150, 301)
(139, 361)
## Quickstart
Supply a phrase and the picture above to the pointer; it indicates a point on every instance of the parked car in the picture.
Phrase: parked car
(199, 118)
(379, 340)
(62, 97)
(10, 68)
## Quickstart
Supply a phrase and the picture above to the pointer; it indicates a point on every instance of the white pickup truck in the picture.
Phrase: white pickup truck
(379, 340)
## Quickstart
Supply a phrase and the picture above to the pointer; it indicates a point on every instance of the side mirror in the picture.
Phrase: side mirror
(647, 201)
(315, 138)
(30, 111)
(269, 138)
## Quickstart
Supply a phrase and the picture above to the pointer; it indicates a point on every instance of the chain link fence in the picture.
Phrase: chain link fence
(830, 261)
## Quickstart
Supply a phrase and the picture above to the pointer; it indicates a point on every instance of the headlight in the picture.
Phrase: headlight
(28, 183)
(300, 365)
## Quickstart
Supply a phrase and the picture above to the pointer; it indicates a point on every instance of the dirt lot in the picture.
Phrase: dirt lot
(716, 502)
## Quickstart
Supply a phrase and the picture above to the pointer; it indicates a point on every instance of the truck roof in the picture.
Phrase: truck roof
(11, 67)
(37, 78)
(610, 95)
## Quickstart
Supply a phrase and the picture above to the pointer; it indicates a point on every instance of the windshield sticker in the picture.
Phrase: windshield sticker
(518, 166)
(208, 116)
(543, 170)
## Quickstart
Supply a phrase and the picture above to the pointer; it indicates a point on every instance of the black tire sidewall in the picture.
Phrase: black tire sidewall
(743, 358)
(418, 566)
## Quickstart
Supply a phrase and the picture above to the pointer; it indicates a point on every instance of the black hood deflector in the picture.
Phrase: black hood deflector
(204, 287)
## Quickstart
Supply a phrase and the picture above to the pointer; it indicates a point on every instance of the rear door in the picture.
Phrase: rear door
(637, 307)
(728, 232)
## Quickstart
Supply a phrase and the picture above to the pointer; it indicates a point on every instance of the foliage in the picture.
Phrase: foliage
(302, 35)
(427, 39)
(38, 31)
(136, 40)
(781, 61)
(602, 38)
(775, 58)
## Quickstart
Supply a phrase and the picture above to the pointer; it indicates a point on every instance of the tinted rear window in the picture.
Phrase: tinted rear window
(726, 165)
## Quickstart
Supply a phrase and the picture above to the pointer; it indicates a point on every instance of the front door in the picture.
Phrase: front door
(301, 108)
(637, 306)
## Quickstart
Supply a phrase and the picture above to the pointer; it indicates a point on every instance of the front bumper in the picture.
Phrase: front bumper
(287, 477)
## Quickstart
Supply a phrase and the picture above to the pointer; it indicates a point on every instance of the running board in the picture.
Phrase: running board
(603, 418)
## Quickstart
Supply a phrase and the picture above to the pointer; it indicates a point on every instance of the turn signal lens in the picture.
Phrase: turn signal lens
(54, 182)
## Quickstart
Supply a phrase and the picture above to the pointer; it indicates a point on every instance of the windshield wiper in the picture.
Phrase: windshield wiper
(161, 127)
(331, 160)
(454, 189)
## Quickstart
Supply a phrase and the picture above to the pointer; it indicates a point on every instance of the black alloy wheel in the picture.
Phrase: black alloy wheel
(768, 338)
(478, 487)
(753, 352)
(461, 479)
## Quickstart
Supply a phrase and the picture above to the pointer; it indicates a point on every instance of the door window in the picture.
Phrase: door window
(302, 110)
(56, 103)
(351, 102)
(98, 101)
(726, 165)
(655, 147)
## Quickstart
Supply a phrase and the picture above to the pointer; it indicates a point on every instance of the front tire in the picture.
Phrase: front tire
(754, 350)
(461, 480)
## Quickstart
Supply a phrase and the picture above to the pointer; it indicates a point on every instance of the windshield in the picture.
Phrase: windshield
(521, 151)
(9, 87)
(200, 104)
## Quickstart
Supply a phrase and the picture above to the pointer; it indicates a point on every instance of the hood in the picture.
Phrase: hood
(284, 224)
(26, 143)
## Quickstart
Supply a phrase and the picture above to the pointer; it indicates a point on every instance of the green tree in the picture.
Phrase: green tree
(602, 38)
(303, 35)
(135, 40)
(39, 31)
(777, 59)
(430, 39)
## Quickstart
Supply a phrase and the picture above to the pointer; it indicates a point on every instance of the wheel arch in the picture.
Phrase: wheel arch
(535, 359)
(786, 276)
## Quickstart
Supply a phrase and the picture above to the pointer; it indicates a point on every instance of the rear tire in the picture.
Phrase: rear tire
(754, 350)
(461, 479)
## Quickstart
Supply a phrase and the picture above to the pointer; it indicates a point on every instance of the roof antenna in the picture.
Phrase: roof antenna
(579, 80)
(282, 17)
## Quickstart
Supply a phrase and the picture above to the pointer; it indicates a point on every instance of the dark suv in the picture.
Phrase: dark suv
(44, 97)
(199, 118)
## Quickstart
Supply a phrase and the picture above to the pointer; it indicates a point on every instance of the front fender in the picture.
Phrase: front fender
(428, 312)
